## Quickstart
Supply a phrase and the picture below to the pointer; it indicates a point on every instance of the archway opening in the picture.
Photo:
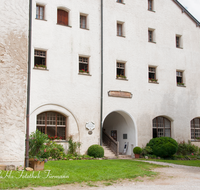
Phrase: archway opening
(120, 126)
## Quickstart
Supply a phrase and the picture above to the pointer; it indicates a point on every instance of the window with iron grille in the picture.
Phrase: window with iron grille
(62, 17)
(195, 128)
(40, 58)
(150, 5)
(83, 65)
(119, 29)
(52, 124)
(152, 74)
(120, 1)
(83, 22)
(40, 12)
(177, 41)
(161, 127)
(121, 70)
(150, 35)
(179, 78)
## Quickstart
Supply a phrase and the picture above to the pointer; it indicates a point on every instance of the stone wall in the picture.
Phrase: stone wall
(13, 80)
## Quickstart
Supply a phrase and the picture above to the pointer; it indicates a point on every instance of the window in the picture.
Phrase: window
(161, 127)
(179, 41)
(52, 124)
(195, 128)
(150, 5)
(179, 78)
(150, 35)
(120, 1)
(119, 29)
(152, 74)
(62, 17)
(121, 70)
(40, 59)
(83, 21)
(40, 12)
(83, 65)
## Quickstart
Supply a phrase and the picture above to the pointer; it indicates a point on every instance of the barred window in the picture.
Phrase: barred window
(195, 128)
(40, 58)
(52, 124)
(152, 73)
(83, 65)
(120, 69)
(150, 37)
(161, 127)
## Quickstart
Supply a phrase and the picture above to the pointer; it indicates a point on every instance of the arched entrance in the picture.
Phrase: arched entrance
(121, 127)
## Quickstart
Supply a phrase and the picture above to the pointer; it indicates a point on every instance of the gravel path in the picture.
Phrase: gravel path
(175, 177)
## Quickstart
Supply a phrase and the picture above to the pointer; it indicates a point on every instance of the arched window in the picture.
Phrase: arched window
(62, 17)
(52, 124)
(161, 127)
(195, 128)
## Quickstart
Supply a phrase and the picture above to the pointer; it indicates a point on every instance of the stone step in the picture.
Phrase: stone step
(108, 153)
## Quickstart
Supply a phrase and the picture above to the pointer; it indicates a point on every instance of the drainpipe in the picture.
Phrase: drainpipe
(101, 111)
(28, 84)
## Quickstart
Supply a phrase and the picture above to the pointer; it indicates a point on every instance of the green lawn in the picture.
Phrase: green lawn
(195, 163)
(77, 171)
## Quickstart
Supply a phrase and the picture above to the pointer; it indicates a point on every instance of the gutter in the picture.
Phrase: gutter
(101, 109)
(28, 85)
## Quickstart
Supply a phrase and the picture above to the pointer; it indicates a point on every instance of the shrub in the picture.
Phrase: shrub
(137, 150)
(187, 148)
(163, 146)
(146, 151)
(73, 146)
(96, 151)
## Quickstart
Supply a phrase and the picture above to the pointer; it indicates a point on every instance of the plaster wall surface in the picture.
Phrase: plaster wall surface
(61, 88)
(179, 104)
(13, 80)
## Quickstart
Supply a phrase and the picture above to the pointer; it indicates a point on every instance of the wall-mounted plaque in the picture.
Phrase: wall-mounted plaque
(120, 94)
(90, 126)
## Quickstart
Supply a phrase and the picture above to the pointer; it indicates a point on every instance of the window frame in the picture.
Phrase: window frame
(194, 128)
(157, 127)
(43, 15)
(152, 70)
(45, 126)
(120, 29)
(86, 22)
(151, 5)
(83, 71)
(178, 41)
(121, 76)
(61, 18)
(151, 35)
(122, 1)
(180, 75)
(42, 56)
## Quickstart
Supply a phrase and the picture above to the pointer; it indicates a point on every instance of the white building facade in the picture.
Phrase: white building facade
(150, 58)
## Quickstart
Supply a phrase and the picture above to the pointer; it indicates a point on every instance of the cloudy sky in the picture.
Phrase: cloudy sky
(193, 6)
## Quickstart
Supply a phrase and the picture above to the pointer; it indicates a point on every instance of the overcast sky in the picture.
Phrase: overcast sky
(193, 6)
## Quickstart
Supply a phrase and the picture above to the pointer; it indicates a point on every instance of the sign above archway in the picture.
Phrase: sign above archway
(120, 94)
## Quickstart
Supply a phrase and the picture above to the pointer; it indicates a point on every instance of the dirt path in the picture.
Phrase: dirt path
(176, 177)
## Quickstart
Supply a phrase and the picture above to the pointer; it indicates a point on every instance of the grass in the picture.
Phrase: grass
(66, 172)
(195, 163)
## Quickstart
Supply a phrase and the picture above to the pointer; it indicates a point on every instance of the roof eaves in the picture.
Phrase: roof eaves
(184, 10)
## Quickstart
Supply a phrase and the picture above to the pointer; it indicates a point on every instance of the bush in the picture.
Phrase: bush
(163, 146)
(73, 146)
(137, 150)
(187, 148)
(96, 151)
(146, 151)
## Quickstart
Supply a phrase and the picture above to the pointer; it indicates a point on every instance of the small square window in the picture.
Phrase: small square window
(119, 29)
(151, 35)
(83, 21)
(40, 59)
(150, 5)
(120, 1)
(152, 74)
(125, 136)
(83, 65)
(179, 78)
(121, 70)
(39, 12)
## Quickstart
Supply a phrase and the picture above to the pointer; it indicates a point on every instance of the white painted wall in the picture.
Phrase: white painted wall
(13, 79)
(62, 89)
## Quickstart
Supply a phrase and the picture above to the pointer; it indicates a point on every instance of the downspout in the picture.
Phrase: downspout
(101, 111)
(28, 85)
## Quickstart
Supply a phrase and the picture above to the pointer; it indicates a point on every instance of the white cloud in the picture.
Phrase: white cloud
(192, 6)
